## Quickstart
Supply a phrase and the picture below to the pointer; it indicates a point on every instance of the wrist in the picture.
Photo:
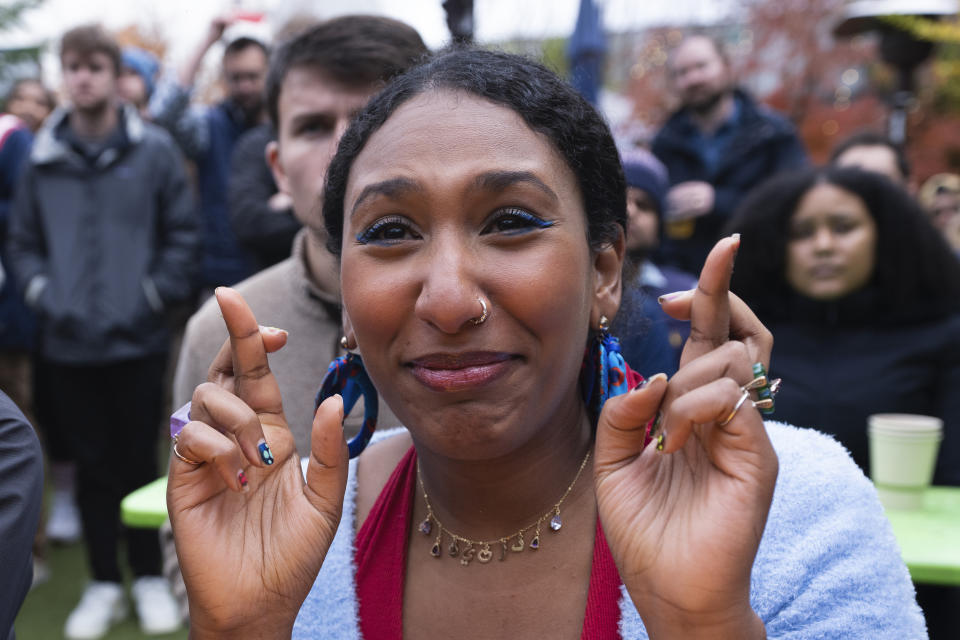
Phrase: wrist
(258, 631)
(739, 622)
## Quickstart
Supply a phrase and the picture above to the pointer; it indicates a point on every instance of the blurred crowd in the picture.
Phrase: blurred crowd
(123, 207)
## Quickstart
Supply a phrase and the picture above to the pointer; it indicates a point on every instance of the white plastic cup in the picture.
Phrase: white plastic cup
(903, 455)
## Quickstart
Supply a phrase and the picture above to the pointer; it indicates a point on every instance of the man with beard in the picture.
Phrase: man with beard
(208, 136)
(103, 240)
(717, 146)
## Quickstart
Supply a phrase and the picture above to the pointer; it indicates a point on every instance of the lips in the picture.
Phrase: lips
(461, 371)
(826, 271)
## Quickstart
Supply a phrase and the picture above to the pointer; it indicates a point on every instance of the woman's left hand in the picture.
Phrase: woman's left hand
(684, 523)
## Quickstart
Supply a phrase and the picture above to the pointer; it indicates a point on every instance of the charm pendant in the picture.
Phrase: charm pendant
(518, 545)
(426, 526)
(467, 555)
(503, 549)
(484, 555)
(535, 543)
(453, 549)
(555, 521)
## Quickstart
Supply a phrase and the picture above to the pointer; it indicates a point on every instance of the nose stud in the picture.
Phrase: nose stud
(483, 313)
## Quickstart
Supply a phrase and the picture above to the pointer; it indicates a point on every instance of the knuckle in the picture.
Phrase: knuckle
(203, 391)
(256, 372)
(730, 386)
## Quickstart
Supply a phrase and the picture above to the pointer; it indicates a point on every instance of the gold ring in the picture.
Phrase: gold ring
(182, 457)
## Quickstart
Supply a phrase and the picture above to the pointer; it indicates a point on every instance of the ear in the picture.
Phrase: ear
(272, 154)
(348, 329)
(608, 269)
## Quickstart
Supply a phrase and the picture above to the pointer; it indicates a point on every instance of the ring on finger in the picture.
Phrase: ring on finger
(177, 453)
(766, 389)
(743, 398)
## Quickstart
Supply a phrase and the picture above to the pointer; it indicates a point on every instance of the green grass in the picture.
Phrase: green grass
(47, 606)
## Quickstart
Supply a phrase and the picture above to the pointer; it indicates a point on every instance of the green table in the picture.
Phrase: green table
(930, 537)
(147, 506)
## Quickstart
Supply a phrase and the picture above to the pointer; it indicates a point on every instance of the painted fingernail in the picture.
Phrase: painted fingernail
(274, 330)
(667, 297)
(660, 439)
(657, 423)
(265, 454)
(646, 382)
(242, 478)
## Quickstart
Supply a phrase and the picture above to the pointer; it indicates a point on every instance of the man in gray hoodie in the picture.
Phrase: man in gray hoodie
(103, 238)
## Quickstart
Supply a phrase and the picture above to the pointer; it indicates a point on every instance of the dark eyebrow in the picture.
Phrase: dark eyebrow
(500, 180)
(390, 188)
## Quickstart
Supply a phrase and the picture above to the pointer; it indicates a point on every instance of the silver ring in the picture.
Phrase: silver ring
(483, 315)
(736, 407)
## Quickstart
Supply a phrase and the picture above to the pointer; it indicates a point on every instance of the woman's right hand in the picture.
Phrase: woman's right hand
(249, 554)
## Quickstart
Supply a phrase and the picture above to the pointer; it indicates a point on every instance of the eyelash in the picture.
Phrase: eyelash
(529, 220)
(369, 234)
(513, 213)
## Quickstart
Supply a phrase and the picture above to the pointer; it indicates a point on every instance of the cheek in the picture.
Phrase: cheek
(305, 167)
(863, 257)
(795, 264)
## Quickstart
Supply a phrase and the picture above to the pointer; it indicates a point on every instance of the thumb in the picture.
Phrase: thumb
(329, 461)
(622, 427)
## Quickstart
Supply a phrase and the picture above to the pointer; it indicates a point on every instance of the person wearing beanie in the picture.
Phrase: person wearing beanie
(647, 186)
(138, 74)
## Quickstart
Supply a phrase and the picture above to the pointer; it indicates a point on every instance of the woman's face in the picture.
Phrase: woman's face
(832, 246)
(453, 199)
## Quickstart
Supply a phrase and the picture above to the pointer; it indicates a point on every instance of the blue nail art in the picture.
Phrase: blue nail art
(265, 454)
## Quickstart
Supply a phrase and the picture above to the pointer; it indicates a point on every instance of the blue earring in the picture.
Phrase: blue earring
(347, 377)
(604, 372)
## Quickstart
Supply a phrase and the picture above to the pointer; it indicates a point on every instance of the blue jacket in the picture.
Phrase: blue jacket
(17, 323)
(763, 144)
(208, 135)
(101, 241)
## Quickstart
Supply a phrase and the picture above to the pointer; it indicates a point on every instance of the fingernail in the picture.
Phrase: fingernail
(274, 330)
(660, 439)
(265, 454)
(646, 382)
(242, 478)
(672, 296)
(657, 423)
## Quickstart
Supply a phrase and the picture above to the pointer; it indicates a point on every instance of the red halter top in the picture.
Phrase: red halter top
(381, 557)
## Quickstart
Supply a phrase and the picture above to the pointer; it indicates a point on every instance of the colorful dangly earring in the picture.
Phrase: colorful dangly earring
(612, 367)
(604, 372)
(347, 376)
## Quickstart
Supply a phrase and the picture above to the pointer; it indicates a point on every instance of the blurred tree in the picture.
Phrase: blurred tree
(13, 60)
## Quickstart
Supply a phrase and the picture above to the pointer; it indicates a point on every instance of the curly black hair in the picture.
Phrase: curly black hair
(546, 103)
(915, 268)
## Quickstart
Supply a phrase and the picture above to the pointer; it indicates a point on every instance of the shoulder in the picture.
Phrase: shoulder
(204, 324)
(375, 466)
(754, 111)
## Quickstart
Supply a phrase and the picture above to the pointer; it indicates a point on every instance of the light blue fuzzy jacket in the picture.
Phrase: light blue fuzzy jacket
(828, 565)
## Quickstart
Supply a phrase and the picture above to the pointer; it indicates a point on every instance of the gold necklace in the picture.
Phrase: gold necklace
(481, 548)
